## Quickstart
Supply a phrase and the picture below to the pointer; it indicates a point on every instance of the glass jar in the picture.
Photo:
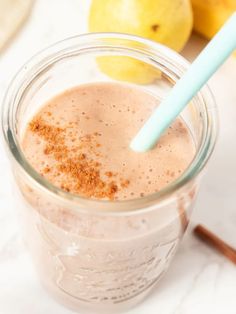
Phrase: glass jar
(103, 256)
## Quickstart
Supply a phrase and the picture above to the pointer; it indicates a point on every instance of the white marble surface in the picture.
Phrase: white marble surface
(199, 280)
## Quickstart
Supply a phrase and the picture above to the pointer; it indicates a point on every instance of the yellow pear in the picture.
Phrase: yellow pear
(210, 15)
(166, 21)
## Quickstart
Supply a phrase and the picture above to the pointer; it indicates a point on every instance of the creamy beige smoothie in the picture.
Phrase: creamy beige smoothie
(79, 141)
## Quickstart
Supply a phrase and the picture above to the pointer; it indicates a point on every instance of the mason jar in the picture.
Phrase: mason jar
(97, 255)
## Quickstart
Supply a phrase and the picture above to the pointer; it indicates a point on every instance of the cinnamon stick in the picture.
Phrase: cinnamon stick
(210, 238)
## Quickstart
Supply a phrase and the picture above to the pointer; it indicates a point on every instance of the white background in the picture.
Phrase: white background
(199, 280)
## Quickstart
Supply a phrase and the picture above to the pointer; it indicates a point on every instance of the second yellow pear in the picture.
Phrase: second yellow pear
(210, 15)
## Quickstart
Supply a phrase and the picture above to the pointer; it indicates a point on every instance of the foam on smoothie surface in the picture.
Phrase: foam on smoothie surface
(79, 141)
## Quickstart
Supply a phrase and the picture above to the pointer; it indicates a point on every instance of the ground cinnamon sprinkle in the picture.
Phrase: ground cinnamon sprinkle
(48, 132)
(124, 183)
(109, 174)
(84, 172)
(46, 169)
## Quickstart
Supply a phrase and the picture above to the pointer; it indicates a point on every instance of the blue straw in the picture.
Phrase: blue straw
(203, 67)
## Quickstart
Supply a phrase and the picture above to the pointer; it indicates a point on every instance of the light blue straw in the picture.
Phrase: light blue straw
(203, 67)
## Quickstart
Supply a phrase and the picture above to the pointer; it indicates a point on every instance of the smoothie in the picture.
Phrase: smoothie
(79, 141)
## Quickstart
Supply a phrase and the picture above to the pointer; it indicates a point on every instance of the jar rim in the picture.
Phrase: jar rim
(41, 60)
